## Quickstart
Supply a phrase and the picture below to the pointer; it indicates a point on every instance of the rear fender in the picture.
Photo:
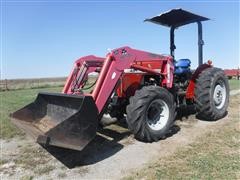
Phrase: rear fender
(191, 85)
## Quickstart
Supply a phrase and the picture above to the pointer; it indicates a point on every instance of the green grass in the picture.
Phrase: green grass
(234, 84)
(11, 101)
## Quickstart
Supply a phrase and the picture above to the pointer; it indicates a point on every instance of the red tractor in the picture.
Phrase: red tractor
(145, 87)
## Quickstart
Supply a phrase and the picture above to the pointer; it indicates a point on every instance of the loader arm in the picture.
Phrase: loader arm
(125, 58)
(82, 67)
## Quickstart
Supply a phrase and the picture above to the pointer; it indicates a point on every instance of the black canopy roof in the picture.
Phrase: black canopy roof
(176, 18)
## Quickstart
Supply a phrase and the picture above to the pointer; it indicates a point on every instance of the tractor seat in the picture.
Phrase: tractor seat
(182, 66)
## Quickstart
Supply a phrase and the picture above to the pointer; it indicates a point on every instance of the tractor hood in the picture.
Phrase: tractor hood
(176, 18)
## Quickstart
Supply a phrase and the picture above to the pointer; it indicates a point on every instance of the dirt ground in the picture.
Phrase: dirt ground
(113, 154)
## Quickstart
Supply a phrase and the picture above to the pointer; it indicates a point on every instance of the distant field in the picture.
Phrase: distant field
(16, 84)
(13, 84)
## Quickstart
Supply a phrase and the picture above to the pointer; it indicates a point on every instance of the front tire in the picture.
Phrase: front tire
(212, 94)
(151, 113)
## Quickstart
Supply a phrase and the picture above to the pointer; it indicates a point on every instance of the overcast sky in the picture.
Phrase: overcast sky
(43, 38)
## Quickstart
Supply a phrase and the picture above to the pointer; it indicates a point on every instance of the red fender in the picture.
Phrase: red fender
(191, 85)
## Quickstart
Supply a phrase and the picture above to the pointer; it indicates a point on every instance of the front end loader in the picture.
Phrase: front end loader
(145, 87)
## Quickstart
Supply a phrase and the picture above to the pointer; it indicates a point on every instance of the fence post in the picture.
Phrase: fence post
(6, 85)
(238, 73)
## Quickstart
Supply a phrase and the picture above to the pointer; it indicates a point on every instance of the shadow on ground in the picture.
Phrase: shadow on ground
(185, 112)
(105, 144)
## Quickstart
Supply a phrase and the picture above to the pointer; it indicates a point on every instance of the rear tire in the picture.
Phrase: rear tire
(212, 94)
(151, 113)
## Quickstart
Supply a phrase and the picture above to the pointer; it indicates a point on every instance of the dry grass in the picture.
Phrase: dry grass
(44, 169)
(27, 178)
(213, 156)
(30, 157)
(62, 175)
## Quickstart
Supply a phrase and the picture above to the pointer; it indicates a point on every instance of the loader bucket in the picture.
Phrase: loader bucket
(67, 121)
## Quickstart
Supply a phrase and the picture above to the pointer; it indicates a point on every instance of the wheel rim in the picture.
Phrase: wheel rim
(219, 95)
(157, 114)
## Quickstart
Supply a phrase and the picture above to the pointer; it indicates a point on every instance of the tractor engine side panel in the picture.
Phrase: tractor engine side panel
(129, 83)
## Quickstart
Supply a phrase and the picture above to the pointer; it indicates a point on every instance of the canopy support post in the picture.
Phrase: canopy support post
(172, 45)
(200, 44)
